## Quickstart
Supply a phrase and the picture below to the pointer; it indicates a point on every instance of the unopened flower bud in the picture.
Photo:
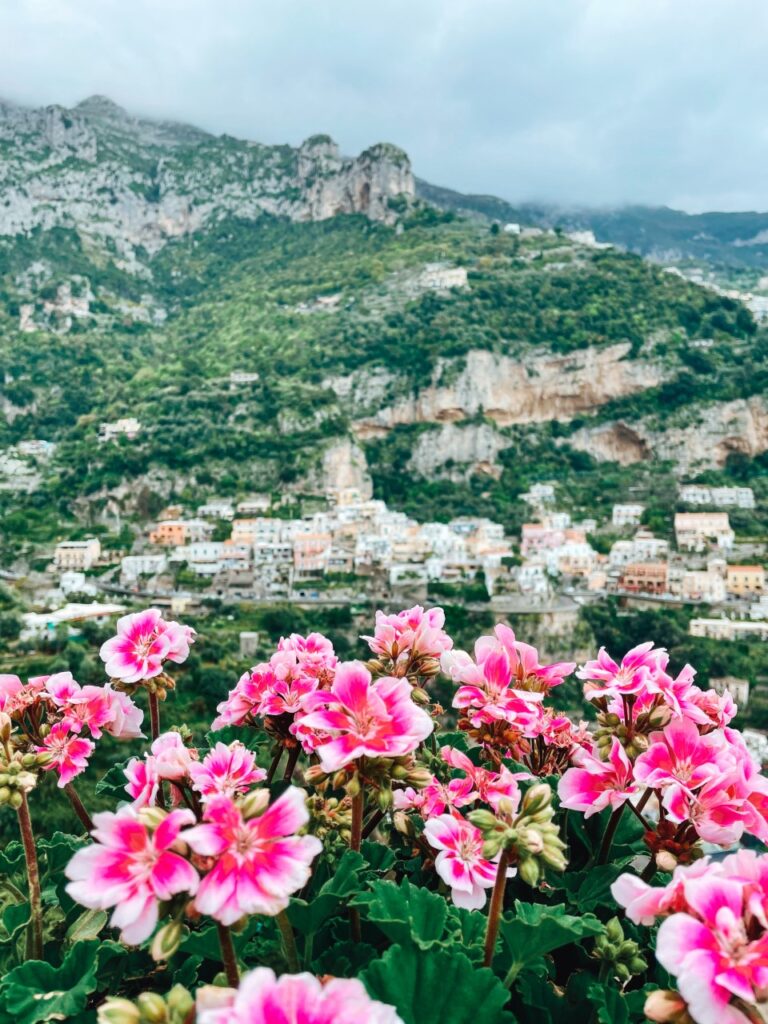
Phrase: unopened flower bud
(314, 775)
(666, 861)
(15, 799)
(152, 1008)
(528, 869)
(339, 779)
(385, 799)
(180, 1003)
(353, 786)
(420, 777)
(118, 1011)
(166, 942)
(486, 821)
(152, 817)
(254, 803)
(537, 798)
(419, 696)
(614, 931)
(5, 794)
(493, 844)
(6, 725)
(403, 823)
(666, 1007)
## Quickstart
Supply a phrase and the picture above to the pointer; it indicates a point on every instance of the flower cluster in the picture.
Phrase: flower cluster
(143, 644)
(275, 692)
(663, 737)
(54, 716)
(244, 857)
(501, 702)
(263, 997)
(411, 642)
(713, 937)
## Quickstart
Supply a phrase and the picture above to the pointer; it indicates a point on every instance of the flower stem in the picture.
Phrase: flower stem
(79, 807)
(610, 832)
(154, 714)
(497, 905)
(289, 942)
(273, 767)
(355, 841)
(751, 1013)
(228, 956)
(290, 766)
(375, 819)
(649, 870)
(35, 932)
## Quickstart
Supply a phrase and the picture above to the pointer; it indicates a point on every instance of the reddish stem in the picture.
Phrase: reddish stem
(79, 807)
(497, 905)
(228, 955)
(35, 932)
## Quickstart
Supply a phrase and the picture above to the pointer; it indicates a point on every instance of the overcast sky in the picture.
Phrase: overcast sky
(572, 101)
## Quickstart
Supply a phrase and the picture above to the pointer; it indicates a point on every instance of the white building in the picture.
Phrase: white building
(133, 566)
(719, 497)
(254, 505)
(694, 531)
(728, 629)
(627, 515)
(128, 427)
(737, 688)
(79, 555)
(217, 508)
(699, 585)
(39, 623)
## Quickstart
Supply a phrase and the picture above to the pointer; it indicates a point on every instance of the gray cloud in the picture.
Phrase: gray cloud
(573, 101)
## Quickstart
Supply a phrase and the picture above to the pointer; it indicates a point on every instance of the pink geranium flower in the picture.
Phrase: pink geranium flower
(125, 716)
(605, 677)
(409, 634)
(226, 769)
(593, 785)
(259, 862)
(710, 951)
(460, 861)
(69, 752)
(291, 999)
(489, 694)
(244, 700)
(142, 781)
(488, 786)
(144, 642)
(680, 757)
(314, 654)
(365, 718)
(131, 868)
(172, 757)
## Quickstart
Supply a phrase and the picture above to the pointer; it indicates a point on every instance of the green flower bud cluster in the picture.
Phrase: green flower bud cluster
(611, 726)
(620, 954)
(18, 774)
(532, 834)
(378, 774)
(149, 1008)
(329, 817)
(167, 940)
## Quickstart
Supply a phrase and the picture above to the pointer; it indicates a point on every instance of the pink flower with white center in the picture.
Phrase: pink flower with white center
(314, 654)
(719, 811)
(408, 799)
(259, 862)
(243, 702)
(605, 678)
(712, 952)
(460, 862)
(680, 757)
(261, 998)
(143, 781)
(133, 869)
(125, 717)
(718, 709)
(365, 718)
(172, 758)
(226, 769)
(490, 787)
(409, 634)
(644, 903)
(528, 672)
(488, 694)
(439, 797)
(11, 693)
(144, 642)
(287, 696)
(592, 784)
(69, 753)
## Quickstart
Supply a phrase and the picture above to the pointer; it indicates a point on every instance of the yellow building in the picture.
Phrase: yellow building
(745, 580)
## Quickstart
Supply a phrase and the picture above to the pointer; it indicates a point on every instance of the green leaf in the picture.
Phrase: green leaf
(87, 926)
(377, 856)
(307, 917)
(537, 929)
(113, 782)
(436, 986)
(590, 889)
(36, 991)
(405, 913)
(15, 917)
(610, 1005)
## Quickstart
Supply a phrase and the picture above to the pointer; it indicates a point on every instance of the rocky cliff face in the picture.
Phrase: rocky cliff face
(719, 430)
(509, 392)
(132, 182)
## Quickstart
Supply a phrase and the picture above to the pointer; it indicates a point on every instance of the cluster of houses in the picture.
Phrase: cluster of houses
(243, 550)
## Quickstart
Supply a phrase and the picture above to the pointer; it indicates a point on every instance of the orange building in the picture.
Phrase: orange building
(745, 580)
(169, 534)
(645, 578)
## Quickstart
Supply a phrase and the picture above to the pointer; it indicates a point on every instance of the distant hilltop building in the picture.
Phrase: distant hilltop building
(728, 629)
(77, 554)
(440, 277)
(627, 515)
(240, 377)
(745, 580)
(128, 427)
(694, 531)
(719, 497)
(172, 533)
(645, 578)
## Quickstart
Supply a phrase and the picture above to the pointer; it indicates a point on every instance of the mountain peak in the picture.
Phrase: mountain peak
(101, 106)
